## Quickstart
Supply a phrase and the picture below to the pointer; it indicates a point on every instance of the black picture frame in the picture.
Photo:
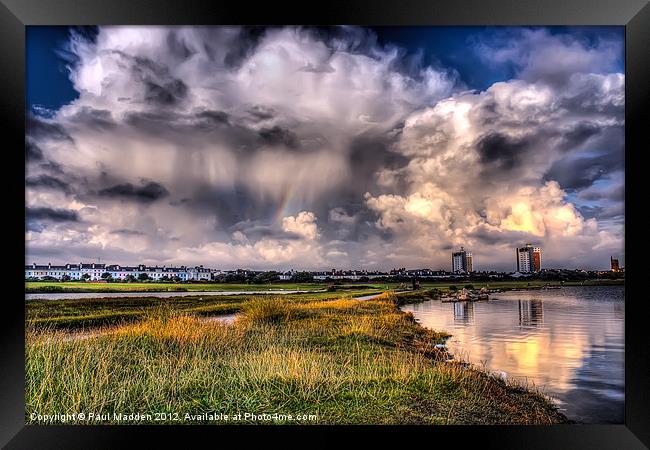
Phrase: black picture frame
(15, 15)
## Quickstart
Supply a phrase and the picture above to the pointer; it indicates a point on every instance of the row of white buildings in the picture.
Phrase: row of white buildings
(94, 272)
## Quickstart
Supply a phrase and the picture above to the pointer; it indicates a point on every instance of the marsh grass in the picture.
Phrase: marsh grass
(96, 312)
(345, 361)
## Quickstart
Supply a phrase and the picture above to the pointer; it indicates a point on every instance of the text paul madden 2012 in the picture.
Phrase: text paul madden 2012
(166, 416)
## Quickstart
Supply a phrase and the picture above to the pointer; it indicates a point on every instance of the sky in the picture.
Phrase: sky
(276, 148)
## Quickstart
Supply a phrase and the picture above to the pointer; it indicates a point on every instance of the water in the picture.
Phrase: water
(225, 319)
(164, 294)
(567, 342)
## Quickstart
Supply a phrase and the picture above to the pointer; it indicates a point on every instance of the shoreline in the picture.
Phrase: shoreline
(358, 351)
(470, 339)
(134, 288)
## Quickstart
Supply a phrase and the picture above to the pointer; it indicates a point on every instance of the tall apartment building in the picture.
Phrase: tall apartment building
(462, 261)
(614, 263)
(529, 259)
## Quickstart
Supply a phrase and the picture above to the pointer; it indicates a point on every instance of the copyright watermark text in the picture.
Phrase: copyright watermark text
(93, 417)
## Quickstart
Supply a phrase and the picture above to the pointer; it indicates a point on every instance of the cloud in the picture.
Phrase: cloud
(536, 54)
(322, 68)
(341, 216)
(297, 147)
(55, 215)
(304, 225)
(48, 182)
(33, 152)
(127, 232)
(40, 128)
(278, 136)
(146, 193)
(493, 168)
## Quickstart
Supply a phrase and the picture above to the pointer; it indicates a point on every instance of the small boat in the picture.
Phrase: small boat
(463, 295)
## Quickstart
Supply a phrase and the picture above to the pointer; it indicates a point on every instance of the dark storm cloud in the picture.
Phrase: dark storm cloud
(499, 151)
(167, 94)
(487, 237)
(579, 135)
(262, 113)
(33, 152)
(52, 167)
(127, 232)
(47, 181)
(180, 202)
(279, 136)
(146, 120)
(41, 130)
(97, 119)
(589, 97)
(51, 214)
(178, 47)
(580, 172)
(614, 193)
(147, 193)
(214, 117)
(611, 212)
(491, 237)
(254, 137)
(159, 87)
(230, 206)
(240, 48)
(253, 229)
(367, 156)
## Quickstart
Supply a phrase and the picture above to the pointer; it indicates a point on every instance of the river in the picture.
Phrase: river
(568, 342)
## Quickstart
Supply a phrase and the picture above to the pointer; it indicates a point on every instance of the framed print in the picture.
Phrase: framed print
(410, 217)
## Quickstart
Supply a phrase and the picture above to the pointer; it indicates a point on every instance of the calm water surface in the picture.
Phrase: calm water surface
(567, 342)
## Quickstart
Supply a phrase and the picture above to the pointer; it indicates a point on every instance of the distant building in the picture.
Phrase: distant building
(529, 259)
(461, 262)
(95, 272)
(614, 263)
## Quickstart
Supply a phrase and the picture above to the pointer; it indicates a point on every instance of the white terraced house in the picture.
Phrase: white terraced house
(40, 271)
(118, 272)
(94, 270)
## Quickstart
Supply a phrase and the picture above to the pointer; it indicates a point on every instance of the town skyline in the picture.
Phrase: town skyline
(613, 263)
(281, 147)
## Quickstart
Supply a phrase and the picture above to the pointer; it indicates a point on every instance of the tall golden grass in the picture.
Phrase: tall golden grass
(345, 361)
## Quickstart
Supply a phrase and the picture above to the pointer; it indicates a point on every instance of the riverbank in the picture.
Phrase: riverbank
(342, 361)
(46, 287)
(564, 341)
(72, 314)
(55, 287)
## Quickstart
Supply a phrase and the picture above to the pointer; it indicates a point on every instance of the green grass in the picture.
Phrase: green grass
(72, 286)
(54, 287)
(519, 284)
(344, 361)
(96, 312)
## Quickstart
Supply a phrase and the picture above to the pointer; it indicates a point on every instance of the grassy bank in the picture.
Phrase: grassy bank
(343, 361)
(72, 286)
(97, 312)
(64, 287)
